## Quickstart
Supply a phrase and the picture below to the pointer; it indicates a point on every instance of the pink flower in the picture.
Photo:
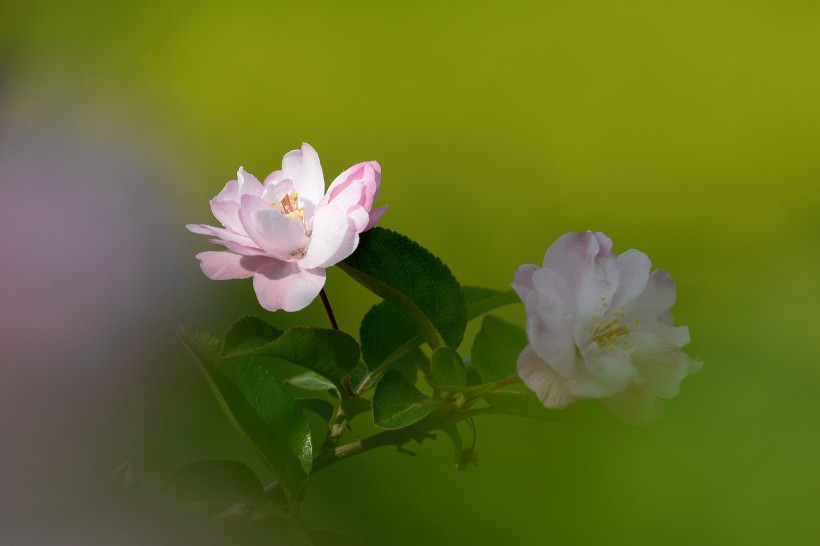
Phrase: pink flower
(285, 232)
(599, 327)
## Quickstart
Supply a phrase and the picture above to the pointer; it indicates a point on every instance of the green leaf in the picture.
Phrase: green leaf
(330, 353)
(526, 404)
(411, 363)
(496, 349)
(484, 300)
(311, 381)
(321, 407)
(247, 335)
(419, 284)
(388, 336)
(383, 332)
(398, 404)
(447, 371)
(221, 481)
(259, 407)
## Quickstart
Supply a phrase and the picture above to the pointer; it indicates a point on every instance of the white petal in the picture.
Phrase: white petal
(275, 190)
(661, 363)
(281, 285)
(223, 265)
(549, 321)
(272, 231)
(248, 184)
(602, 373)
(633, 274)
(586, 261)
(656, 299)
(241, 244)
(333, 239)
(543, 380)
(303, 167)
(522, 282)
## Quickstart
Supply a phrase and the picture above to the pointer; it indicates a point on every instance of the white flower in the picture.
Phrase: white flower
(599, 327)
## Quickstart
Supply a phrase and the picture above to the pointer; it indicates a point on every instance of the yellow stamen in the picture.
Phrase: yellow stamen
(607, 332)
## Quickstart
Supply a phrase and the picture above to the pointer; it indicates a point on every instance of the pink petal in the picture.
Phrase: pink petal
(549, 321)
(276, 190)
(358, 216)
(633, 274)
(586, 261)
(662, 363)
(282, 285)
(375, 216)
(678, 335)
(358, 185)
(522, 282)
(230, 192)
(272, 231)
(225, 206)
(274, 178)
(602, 373)
(241, 244)
(333, 239)
(248, 183)
(223, 265)
(658, 296)
(303, 167)
(227, 212)
(549, 385)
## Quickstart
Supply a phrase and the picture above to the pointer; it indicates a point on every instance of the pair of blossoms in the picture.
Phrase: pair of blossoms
(598, 325)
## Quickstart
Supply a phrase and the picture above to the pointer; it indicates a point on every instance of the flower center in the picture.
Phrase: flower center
(609, 331)
(289, 206)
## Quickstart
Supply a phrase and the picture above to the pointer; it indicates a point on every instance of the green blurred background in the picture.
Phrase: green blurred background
(688, 130)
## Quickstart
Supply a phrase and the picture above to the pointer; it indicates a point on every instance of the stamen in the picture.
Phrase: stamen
(290, 202)
(289, 206)
(607, 332)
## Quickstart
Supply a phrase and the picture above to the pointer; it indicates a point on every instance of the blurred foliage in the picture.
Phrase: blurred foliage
(688, 130)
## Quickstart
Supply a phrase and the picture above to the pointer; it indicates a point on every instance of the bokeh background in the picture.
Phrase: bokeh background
(689, 130)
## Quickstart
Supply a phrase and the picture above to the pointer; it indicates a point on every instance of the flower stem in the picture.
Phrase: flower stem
(512, 380)
(328, 309)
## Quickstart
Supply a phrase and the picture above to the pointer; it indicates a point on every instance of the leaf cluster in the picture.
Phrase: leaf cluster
(415, 332)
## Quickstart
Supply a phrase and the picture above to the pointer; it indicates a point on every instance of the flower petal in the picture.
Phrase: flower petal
(633, 274)
(275, 190)
(549, 321)
(678, 335)
(225, 206)
(223, 265)
(248, 183)
(334, 238)
(303, 167)
(549, 385)
(375, 216)
(227, 212)
(241, 244)
(283, 285)
(658, 296)
(662, 363)
(602, 373)
(522, 282)
(272, 231)
(586, 261)
(358, 185)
